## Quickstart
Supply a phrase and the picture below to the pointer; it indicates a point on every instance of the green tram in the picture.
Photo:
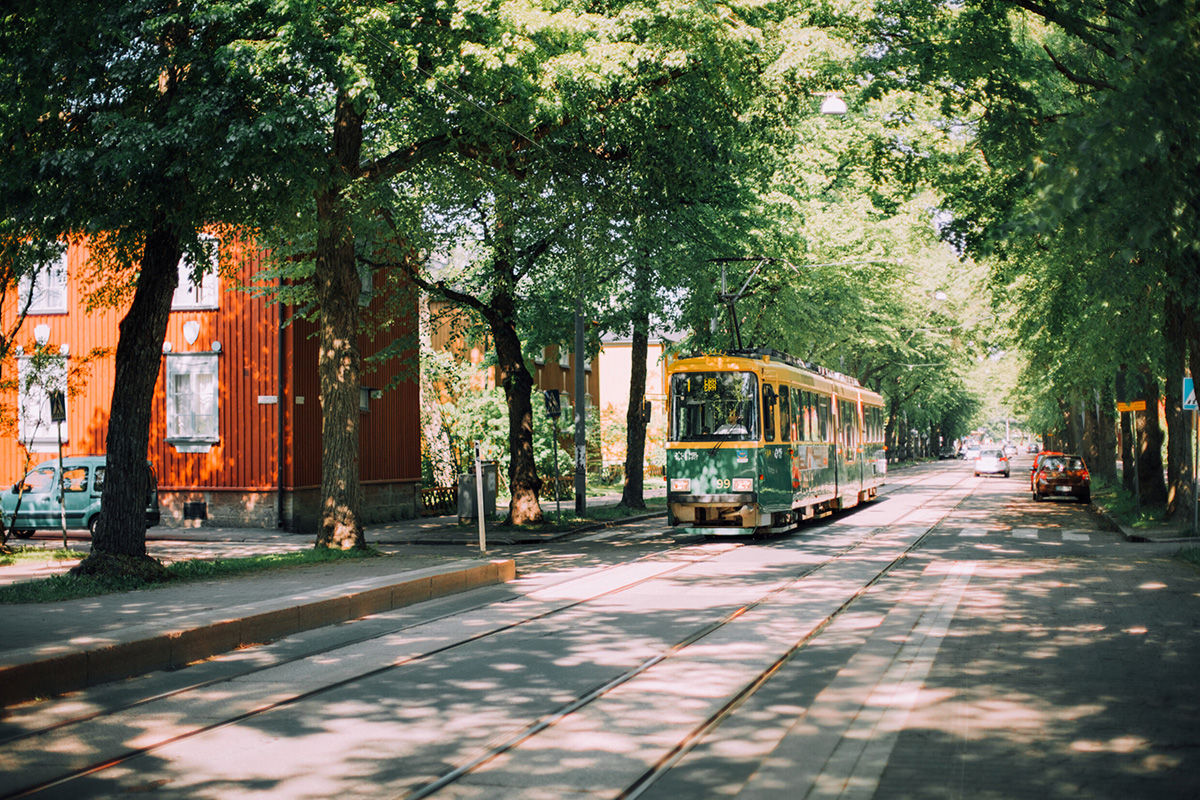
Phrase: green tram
(759, 441)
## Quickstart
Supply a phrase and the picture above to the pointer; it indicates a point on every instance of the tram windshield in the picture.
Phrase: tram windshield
(714, 405)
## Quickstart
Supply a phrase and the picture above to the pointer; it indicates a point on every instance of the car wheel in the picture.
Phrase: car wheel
(1008, 474)
(1037, 498)
(92, 525)
(23, 533)
(1086, 498)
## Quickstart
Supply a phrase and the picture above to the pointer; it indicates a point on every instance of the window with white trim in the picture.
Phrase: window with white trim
(192, 399)
(35, 428)
(190, 294)
(48, 288)
(367, 278)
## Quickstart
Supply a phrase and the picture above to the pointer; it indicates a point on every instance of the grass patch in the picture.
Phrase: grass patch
(57, 588)
(25, 554)
(1122, 506)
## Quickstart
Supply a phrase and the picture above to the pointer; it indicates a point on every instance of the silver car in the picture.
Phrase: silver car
(992, 461)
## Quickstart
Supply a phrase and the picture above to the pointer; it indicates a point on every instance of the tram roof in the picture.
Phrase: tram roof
(770, 354)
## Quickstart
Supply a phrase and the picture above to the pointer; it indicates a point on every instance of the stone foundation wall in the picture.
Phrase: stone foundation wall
(382, 502)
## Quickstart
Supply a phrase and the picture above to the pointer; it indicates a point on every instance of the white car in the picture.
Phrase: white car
(992, 461)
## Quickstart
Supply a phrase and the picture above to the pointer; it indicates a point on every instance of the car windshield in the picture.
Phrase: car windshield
(990, 454)
(708, 405)
(40, 480)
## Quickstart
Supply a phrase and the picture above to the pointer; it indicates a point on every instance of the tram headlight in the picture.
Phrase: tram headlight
(681, 485)
(743, 484)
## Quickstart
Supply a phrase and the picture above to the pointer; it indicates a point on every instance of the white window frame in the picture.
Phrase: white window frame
(48, 288)
(367, 290)
(184, 432)
(191, 296)
(34, 427)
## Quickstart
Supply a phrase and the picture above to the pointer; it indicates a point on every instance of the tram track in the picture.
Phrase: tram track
(688, 554)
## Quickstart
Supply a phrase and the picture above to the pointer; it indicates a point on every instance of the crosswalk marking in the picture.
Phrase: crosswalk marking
(1034, 534)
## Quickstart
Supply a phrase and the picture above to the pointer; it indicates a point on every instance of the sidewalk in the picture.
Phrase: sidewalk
(52, 648)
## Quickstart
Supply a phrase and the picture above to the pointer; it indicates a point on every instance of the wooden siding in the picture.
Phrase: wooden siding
(251, 365)
(246, 327)
(446, 324)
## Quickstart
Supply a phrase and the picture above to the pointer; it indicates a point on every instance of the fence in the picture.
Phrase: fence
(439, 501)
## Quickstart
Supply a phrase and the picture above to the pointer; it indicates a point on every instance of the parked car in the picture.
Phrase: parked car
(83, 485)
(992, 461)
(1057, 475)
(947, 451)
(1037, 460)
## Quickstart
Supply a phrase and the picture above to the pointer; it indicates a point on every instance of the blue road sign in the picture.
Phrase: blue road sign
(1189, 395)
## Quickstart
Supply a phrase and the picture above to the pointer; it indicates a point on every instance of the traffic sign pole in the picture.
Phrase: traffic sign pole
(1190, 404)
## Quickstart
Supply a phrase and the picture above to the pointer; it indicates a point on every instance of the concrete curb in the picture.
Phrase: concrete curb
(1129, 534)
(47, 670)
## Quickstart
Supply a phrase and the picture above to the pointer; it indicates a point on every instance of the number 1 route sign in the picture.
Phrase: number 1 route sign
(1189, 395)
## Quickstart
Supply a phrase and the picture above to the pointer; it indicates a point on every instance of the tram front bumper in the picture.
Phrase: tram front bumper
(738, 510)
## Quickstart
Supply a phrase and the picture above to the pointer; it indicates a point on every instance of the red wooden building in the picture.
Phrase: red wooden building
(236, 429)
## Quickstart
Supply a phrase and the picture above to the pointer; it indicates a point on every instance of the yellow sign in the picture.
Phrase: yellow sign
(1136, 405)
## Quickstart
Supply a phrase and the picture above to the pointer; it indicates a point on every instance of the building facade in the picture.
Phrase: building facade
(236, 424)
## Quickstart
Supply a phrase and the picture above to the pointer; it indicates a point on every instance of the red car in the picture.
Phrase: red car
(1037, 460)
(1056, 474)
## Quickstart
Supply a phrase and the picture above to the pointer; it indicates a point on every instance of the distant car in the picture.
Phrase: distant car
(1058, 475)
(83, 484)
(947, 451)
(972, 452)
(1010, 449)
(1032, 447)
(992, 461)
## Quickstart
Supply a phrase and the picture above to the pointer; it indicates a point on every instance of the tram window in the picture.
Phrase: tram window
(812, 417)
(785, 414)
(822, 419)
(768, 412)
(707, 405)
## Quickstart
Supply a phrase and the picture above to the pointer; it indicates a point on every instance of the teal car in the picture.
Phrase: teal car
(33, 502)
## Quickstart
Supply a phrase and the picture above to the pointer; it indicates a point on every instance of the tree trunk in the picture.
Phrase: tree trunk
(433, 424)
(1150, 442)
(1091, 424)
(1127, 450)
(121, 530)
(338, 365)
(1105, 465)
(632, 494)
(525, 507)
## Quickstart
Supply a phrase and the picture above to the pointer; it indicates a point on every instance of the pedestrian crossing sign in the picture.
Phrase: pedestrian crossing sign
(1189, 395)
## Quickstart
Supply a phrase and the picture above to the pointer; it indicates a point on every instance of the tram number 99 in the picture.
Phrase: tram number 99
(723, 483)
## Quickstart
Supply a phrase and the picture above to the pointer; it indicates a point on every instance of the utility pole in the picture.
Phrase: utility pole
(580, 417)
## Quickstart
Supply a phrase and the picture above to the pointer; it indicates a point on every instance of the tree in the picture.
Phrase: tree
(1088, 162)
(138, 125)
